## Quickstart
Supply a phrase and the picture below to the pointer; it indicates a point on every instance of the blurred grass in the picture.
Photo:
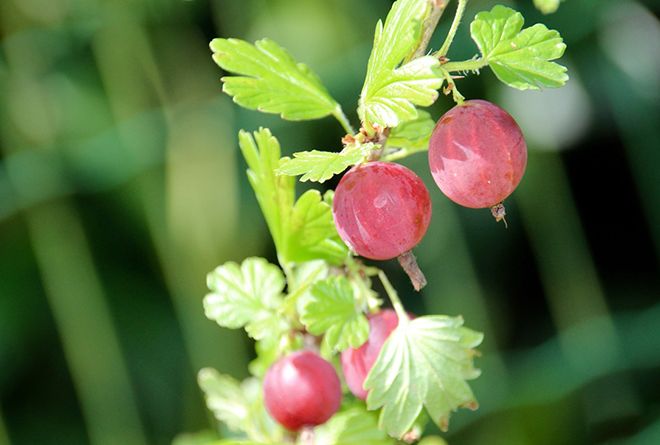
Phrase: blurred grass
(121, 186)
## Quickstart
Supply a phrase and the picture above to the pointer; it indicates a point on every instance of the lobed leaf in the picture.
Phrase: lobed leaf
(355, 426)
(414, 135)
(521, 58)
(391, 91)
(246, 295)
(319, 166)
(239, 406)
(312, 233)
(274, 193)
(331, 311)
(425, 362)
(270, 80)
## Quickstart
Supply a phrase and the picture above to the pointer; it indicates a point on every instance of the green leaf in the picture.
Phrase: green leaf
(224, 397)
(411, 136)
(391, 91)
(547, 6)
(319, 166)
(355, 426)
(312, 233)
(238, 405)
(270, 80)
(521, 58)
(274, 193)
(425, 362)
(332, 311)
(247, 295)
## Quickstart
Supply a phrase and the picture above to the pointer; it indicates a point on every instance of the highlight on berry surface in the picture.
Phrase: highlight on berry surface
(477, 155)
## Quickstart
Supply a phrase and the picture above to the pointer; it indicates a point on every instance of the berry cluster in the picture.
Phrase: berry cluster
(477, 156)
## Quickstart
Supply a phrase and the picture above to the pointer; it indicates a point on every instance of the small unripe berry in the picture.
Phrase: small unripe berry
(356, 363)
(301, 389)
(477, 154)
(381, 209)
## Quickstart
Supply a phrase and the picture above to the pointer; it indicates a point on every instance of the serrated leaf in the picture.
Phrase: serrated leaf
(425, 362)
(274, 193)
(521, 58)
(238, 405)
(319, 166)
(224, 397)
(270, 80)
(414, 135)
(390, 91)
(312, 233)
(547, 6)
(332, 311)
(355, 426)
(246, 295)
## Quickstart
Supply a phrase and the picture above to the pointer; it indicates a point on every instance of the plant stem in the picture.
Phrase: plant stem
(460, 9)
(465, 65)
(438, 7)
(343, 120)
(394, 298)
(455, 94)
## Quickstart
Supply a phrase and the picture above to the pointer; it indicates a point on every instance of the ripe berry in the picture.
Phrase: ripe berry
(301, 389)
(356, 363)
(381, 209)
(477, 155)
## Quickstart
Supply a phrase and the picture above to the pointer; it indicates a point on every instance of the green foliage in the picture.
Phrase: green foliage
(521, 58)
(411, 136)
(355, 426)
(424, 363)
(239, 406)
(319, 166)
(247, 295)
(302, 231)
(271, 80)
(547, 6)
(331, 311)
(274, 193)
(312, 233)
(392, 90)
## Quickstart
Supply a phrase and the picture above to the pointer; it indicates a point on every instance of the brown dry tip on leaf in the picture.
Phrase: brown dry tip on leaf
(443, 424)
(499, 212)
(472, 405)
(409, 264)
(348, 139)
(412, 436)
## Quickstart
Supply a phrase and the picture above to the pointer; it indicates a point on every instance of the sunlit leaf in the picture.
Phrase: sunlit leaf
(521, 58)
(270, 80)
(425, 363)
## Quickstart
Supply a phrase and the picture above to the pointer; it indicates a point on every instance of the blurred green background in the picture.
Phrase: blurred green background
(121, 185)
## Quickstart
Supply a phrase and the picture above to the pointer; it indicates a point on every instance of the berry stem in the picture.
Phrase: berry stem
(451, 87)
(401, 313)
(460, 9)
(409, 264)
(306, 436)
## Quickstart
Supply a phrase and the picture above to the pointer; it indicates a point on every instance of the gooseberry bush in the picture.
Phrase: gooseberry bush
(333, 365)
